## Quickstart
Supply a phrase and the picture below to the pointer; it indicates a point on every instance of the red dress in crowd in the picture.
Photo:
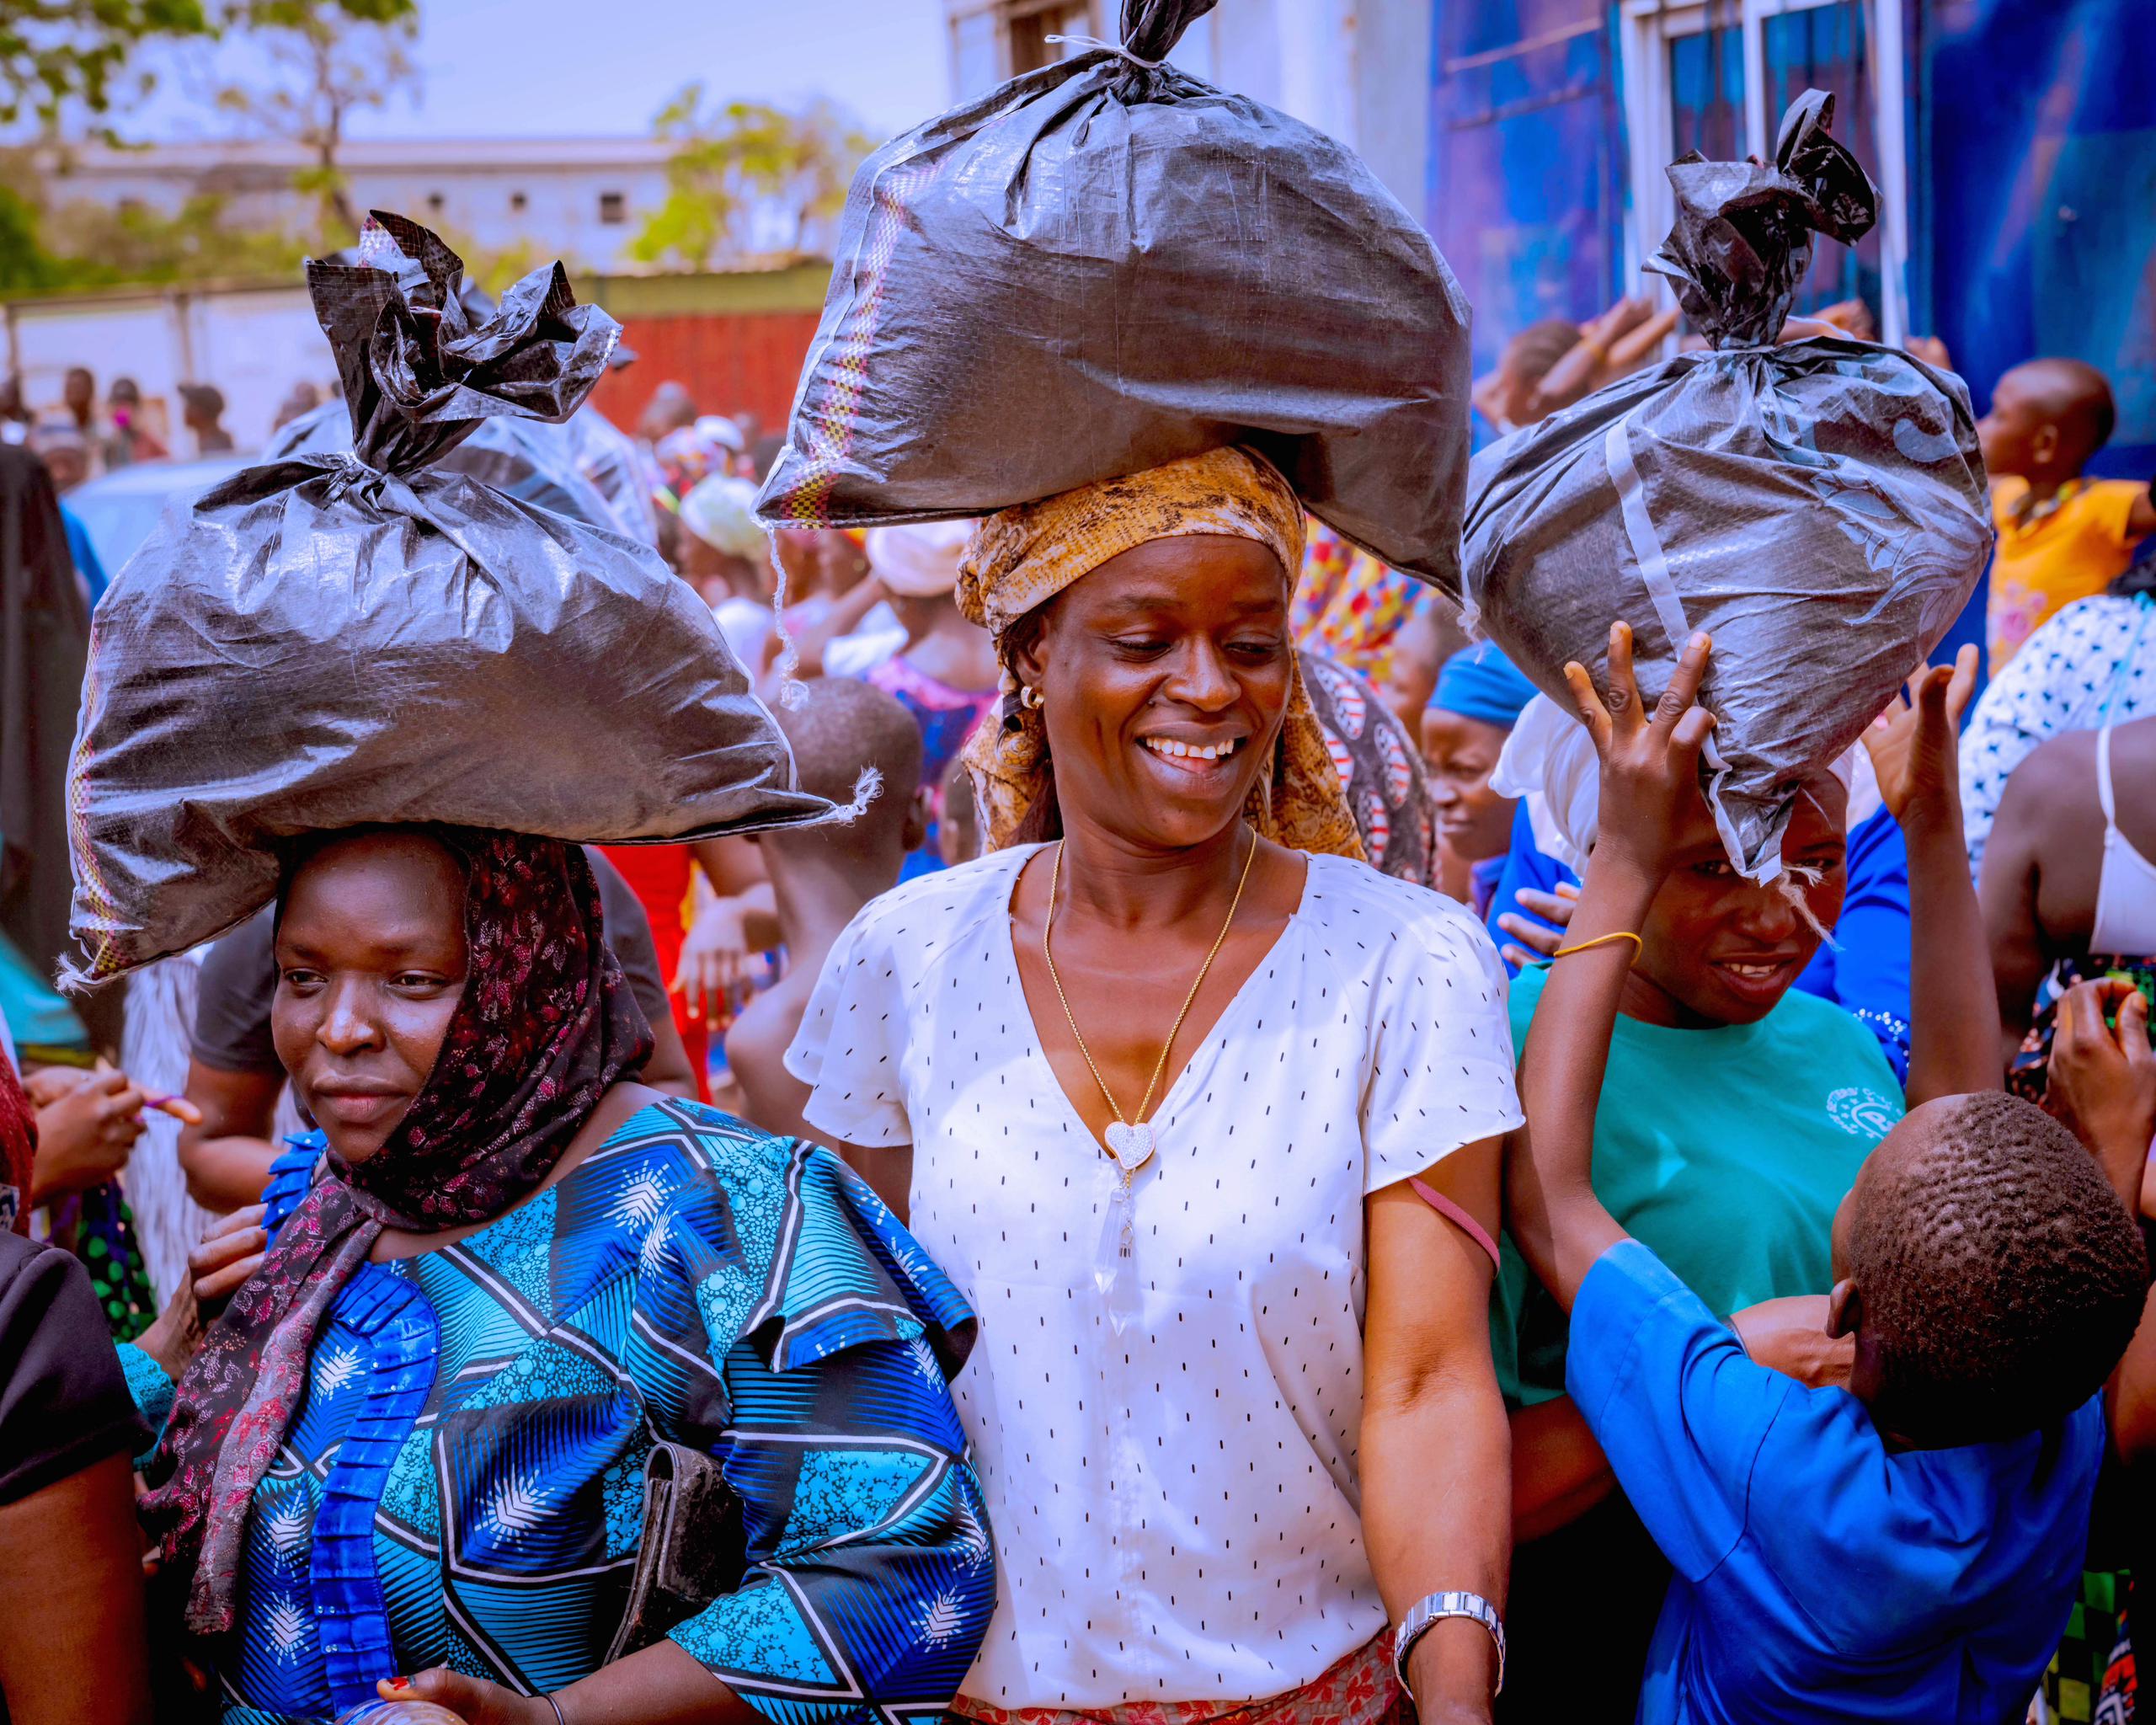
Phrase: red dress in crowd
(659, 875)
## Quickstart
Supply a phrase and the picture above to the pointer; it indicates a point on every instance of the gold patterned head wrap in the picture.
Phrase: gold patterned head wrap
(1022, 557)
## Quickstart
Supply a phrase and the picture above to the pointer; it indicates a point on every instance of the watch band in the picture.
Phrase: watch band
(1433, 1608)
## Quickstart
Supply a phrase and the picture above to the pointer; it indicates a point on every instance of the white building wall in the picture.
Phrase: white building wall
(1357, 69)
(470, 188)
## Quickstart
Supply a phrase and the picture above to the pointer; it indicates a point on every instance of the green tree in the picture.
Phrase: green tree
(54, 53)
(746, 178)
(93, 245)
(24, 268)
(328, 59)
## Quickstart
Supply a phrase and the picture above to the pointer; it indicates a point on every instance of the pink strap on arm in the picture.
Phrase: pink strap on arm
(1459, 1219)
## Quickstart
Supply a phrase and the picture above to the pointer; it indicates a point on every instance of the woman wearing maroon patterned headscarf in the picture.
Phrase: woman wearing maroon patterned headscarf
(410, 1458)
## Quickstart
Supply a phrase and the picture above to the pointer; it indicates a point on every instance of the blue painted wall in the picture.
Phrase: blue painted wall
(2032, 171)
(2031, 129)
(2035, 180)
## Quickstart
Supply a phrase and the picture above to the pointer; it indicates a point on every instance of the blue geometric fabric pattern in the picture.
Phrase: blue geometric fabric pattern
(463, 1484)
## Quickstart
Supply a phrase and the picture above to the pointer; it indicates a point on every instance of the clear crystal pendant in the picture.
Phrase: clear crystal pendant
(1115, 1264)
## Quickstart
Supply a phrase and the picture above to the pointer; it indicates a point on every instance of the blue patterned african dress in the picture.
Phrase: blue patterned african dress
(463, 1485)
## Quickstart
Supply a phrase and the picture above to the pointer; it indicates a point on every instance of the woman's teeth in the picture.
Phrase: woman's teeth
(1753, 973)
(1195, 751)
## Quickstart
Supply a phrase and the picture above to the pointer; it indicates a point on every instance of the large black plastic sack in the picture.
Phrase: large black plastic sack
(1101, 267)
(337, 639)
(583, 466)
(1818, 506)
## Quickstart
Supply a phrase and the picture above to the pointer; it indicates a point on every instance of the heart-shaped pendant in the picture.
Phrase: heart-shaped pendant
(1131, 1144)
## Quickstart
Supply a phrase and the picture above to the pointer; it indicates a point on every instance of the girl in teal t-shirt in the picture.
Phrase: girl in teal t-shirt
(1734, 1116)
(1727, 1149)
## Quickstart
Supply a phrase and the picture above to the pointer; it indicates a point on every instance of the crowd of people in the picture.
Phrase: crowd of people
(1275, 1174)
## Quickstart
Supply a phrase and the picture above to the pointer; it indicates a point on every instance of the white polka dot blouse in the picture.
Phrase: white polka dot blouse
(1174, 1507)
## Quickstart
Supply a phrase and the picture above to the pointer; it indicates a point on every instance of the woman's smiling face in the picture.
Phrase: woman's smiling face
(1165, 674)
(371, 965)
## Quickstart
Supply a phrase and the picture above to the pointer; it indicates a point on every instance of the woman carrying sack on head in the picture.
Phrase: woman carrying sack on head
(1202, 1112)
(409, 1459)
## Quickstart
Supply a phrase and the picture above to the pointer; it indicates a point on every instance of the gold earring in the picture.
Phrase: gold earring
(1029, 696)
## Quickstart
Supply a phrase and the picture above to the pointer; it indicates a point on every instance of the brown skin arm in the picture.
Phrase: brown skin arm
(2130, 1397)
(1558, 1472)
(1586, 366)
(755, 1054)
(657, 1685)
(1550, 1207)
(1436, 1450)
(731, 865)
(73, 1644)
(1954, 1030)
(2141, 519)
(2007, 897)
(1650, 775)
(888, 1172)
(668, 1069)
(2103, 1086)
(226, 1157)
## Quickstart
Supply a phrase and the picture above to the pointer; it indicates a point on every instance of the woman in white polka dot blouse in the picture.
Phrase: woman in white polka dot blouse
(1202, 1114)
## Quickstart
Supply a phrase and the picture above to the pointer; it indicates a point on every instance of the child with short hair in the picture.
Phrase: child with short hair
(1898, 1536)
(2061, 536)
(821, 875)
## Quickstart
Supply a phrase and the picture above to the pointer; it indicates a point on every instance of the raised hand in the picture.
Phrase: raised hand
(1650, 763)
(1913, 743)
(2103, 1078)
(86, 1125)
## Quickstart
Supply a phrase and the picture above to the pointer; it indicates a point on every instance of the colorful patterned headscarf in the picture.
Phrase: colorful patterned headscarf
(1349, 607)
(544, 1027)
(1022, 557)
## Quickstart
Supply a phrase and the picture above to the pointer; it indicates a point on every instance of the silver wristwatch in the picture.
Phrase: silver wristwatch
(1429, 1610)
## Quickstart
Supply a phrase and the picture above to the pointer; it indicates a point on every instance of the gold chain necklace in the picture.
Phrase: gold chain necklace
(1130, 1142)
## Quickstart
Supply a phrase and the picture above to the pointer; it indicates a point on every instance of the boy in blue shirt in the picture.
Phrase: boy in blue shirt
(1898, 1536)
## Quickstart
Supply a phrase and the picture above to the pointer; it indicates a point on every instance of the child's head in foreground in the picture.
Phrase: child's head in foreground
(1989, 1274)
(842, 727)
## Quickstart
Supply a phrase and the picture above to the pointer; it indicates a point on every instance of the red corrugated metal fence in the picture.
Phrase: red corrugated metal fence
(732, 362)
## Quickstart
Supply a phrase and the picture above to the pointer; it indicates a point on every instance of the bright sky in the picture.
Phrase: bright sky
(499, 68)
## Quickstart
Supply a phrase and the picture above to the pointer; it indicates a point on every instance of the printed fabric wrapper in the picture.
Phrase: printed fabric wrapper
(336, 639)
(1818, 505)
(1107, 265)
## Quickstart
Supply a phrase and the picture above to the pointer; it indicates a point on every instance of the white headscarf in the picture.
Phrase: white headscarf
(722, 512)
(920, 560)
(1550, 764)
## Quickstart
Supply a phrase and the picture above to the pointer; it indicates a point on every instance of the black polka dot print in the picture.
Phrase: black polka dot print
(1173, 1502)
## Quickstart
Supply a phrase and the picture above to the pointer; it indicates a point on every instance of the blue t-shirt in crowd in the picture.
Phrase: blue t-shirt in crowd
(87, 564)
(1821, 1576)
(1866, 971)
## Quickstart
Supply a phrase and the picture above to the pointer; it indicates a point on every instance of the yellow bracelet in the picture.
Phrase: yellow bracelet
(1639, 946)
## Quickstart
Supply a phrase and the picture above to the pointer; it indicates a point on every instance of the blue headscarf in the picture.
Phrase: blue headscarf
(1479, 682)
